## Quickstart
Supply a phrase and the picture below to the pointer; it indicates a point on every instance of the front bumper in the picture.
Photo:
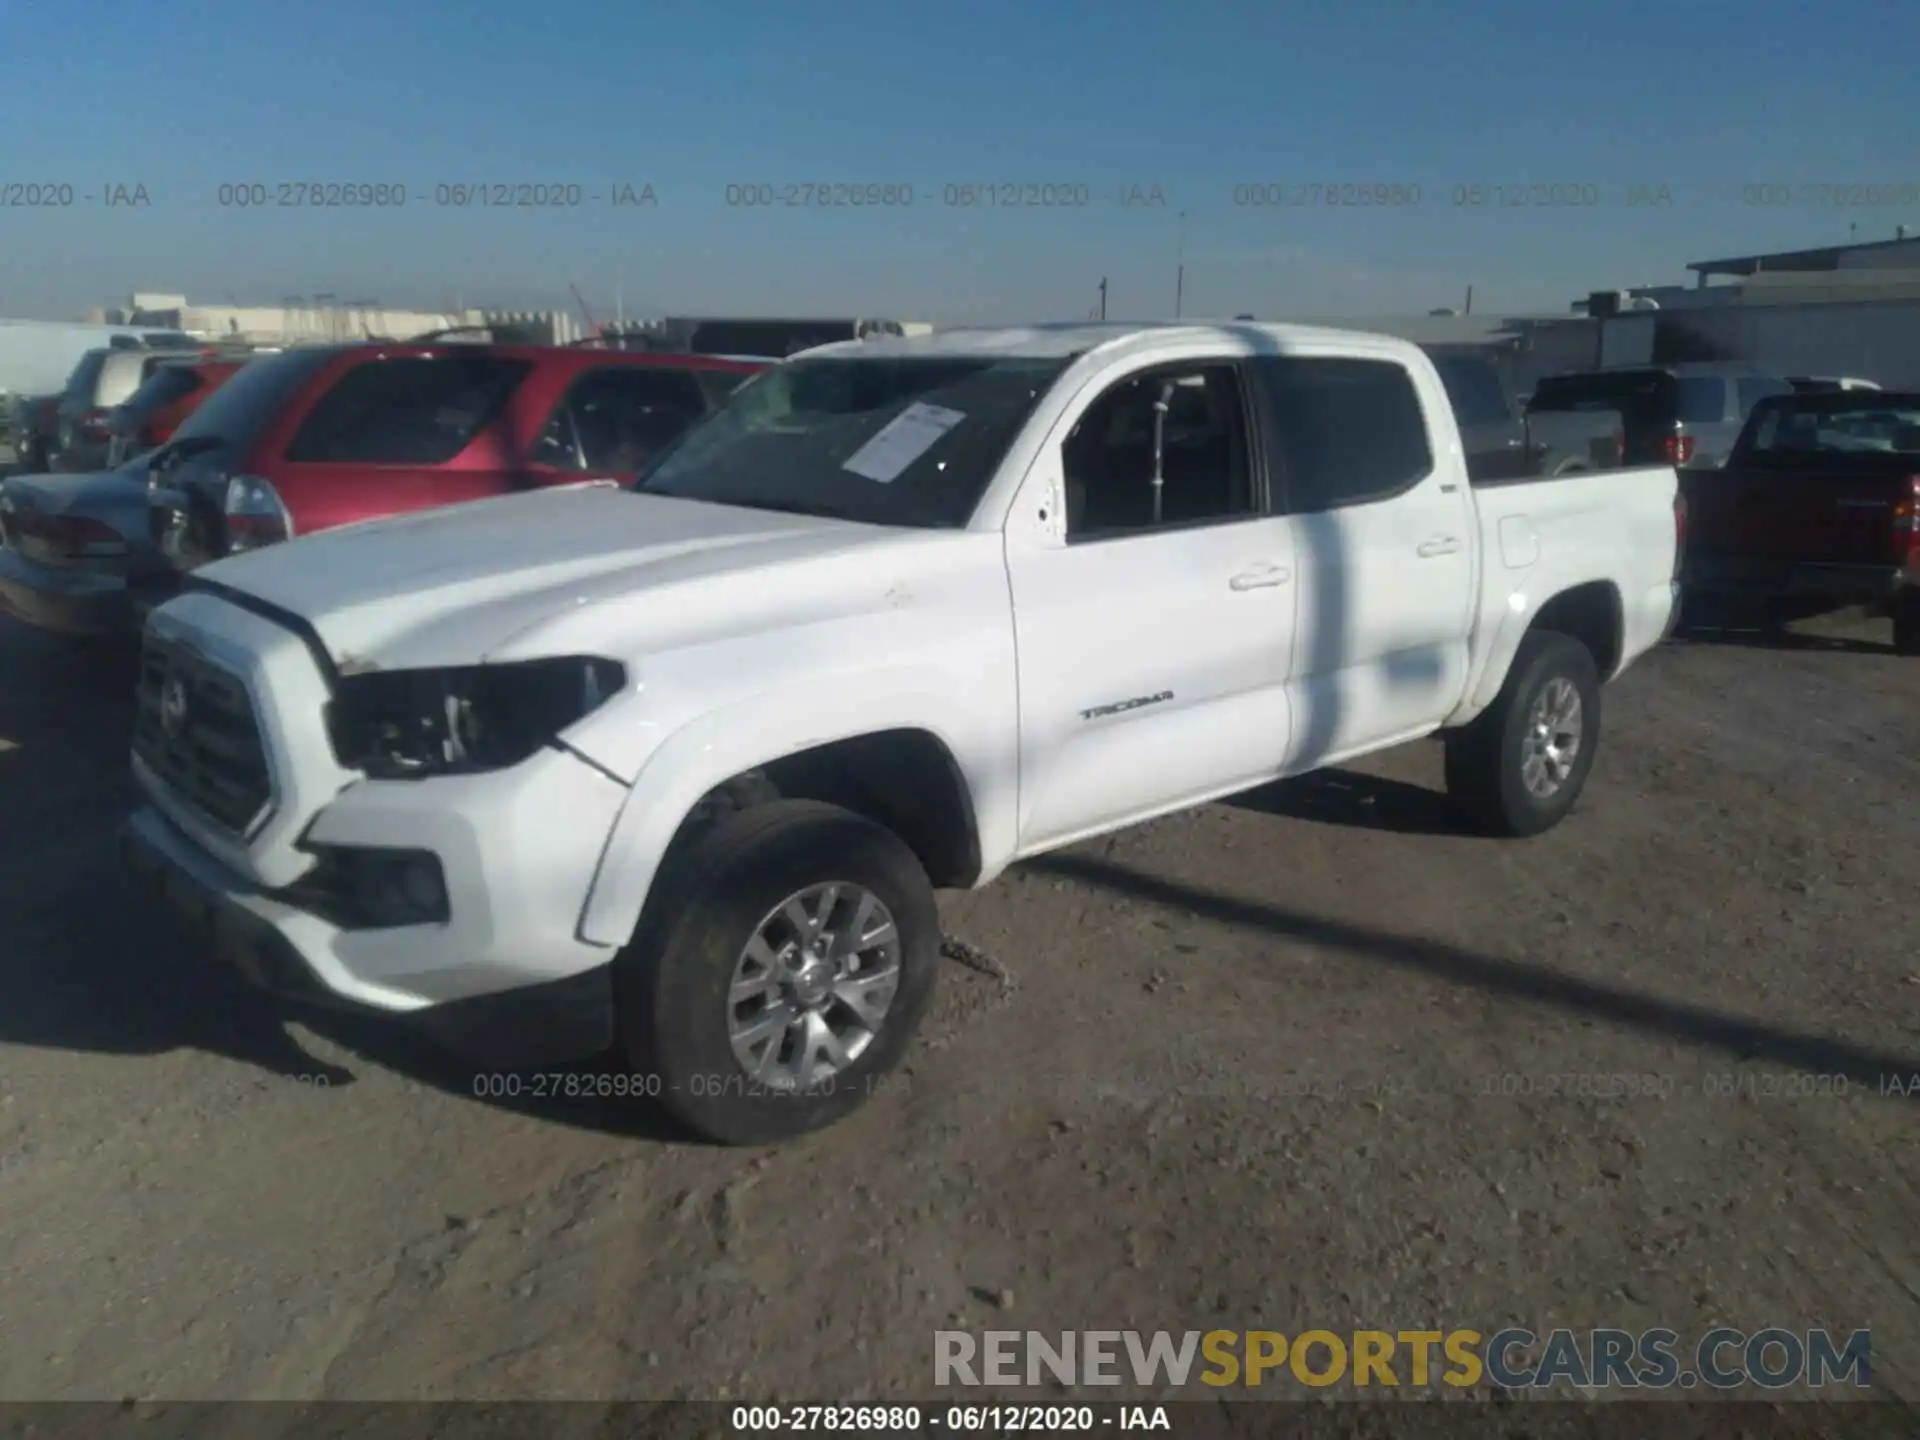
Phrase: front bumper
(547, 1007)
(67, 601)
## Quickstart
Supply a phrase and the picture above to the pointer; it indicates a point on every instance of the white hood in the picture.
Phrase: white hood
(456, 585)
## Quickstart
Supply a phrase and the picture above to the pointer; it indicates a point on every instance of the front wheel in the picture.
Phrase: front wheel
(782, 973)
(1519, 767)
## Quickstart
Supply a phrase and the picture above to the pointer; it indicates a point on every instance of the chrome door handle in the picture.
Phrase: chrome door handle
(1257, 577)
(1439, 545)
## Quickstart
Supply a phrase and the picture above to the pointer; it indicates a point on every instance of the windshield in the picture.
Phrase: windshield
(881, 440)
(1888, 427)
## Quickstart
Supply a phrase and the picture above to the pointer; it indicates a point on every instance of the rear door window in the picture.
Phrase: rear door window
(410, 410)
(1345, 432)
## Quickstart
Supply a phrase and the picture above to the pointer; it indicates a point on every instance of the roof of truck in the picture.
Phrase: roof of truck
(1058, 342)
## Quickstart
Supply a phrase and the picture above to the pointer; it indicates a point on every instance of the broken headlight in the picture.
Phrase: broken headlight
(410, 724)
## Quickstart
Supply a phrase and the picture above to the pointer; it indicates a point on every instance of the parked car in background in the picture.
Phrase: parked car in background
(67, 545)
(36, 426)
(1818, 508)
(146, 419)
(1503, 441)
(332, 435)
(1682, 415)
(103, 379)
(674, 770)
(1819, 384)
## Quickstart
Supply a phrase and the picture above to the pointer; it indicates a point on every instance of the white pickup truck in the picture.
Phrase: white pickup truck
(675, 770)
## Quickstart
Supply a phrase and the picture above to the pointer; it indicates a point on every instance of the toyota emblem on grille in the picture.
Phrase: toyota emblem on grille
(173, 706)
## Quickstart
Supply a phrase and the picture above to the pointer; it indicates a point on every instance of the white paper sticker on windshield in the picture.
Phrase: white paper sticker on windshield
(907, 437)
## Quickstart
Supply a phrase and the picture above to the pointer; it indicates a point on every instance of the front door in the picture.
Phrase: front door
(1153, 634)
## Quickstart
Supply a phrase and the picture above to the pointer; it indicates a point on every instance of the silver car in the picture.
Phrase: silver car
(67, 544)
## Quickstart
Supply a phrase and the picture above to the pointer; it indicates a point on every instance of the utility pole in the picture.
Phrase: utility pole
(1180, 268)
(1103, 297)
(1469, 309)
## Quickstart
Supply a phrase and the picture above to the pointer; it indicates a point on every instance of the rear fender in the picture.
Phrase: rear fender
(1508, 617)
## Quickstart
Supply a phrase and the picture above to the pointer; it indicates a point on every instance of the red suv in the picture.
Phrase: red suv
(329, 435)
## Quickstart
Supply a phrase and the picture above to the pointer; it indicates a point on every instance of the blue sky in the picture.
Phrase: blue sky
(1195, 98)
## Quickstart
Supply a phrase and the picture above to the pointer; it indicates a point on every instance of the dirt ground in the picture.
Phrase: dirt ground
(1240, 1068)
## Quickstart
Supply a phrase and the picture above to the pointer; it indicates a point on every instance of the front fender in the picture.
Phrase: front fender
(701, 754)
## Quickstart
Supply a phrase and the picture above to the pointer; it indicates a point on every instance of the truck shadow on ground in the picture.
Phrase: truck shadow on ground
(1741, 1039)
(1363, 802)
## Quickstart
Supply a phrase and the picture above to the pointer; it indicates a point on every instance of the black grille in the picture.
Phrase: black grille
(210, 755)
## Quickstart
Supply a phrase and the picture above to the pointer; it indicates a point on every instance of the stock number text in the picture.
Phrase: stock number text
(808, 195)
(1277, 194)
(314, 194)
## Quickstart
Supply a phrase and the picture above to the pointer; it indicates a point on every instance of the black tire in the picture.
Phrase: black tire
(672, 982)
(1485, 760)
(1906, 623)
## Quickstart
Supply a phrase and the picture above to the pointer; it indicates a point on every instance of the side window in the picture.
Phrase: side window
(614, 419)
(1343, 432)
(407, 411)
(1752, 392)
(1205, 470)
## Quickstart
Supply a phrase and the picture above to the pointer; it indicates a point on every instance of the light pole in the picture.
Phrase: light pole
(1180, 267)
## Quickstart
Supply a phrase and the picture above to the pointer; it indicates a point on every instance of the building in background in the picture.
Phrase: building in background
(1850, 309)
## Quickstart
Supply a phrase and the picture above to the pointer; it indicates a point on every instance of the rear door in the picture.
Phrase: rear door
(1384, 535)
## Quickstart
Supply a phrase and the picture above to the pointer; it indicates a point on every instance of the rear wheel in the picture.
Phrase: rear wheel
(785, 973)
(1518, 769)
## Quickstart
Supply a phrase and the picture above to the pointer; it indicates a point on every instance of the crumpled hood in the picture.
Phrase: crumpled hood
(457, 585)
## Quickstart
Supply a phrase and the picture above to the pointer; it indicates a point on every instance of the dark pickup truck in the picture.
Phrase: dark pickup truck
(1818, 508)
(1505, 443)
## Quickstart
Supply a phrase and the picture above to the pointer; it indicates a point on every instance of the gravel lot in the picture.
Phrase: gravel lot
(1237, 1068)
